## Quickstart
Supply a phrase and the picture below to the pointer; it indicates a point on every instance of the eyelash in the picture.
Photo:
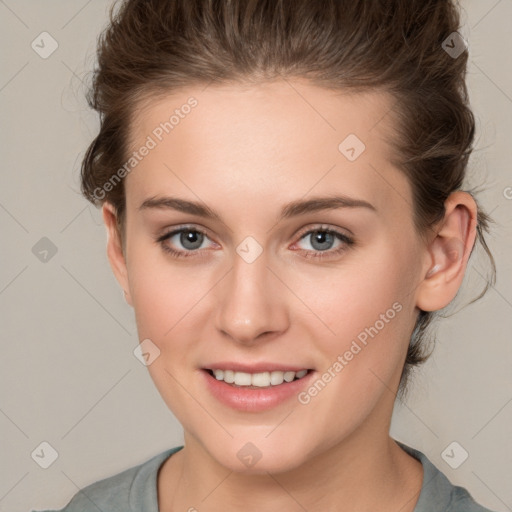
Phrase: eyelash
(347, 242)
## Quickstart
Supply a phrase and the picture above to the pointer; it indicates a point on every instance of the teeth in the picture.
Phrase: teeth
(276, 378)
(242, 379)
(260, 380)
(289, 376)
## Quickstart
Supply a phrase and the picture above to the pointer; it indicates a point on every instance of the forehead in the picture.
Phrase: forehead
(280, 139)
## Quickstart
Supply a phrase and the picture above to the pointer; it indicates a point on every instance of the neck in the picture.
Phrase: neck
(366, 471)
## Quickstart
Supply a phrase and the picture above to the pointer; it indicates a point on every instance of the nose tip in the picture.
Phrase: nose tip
(249, 323)
(245, 333)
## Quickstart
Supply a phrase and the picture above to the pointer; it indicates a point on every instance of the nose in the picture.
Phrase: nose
(251, 303)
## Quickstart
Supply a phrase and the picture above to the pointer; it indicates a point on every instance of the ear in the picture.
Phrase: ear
(115, 251)
(448, 253)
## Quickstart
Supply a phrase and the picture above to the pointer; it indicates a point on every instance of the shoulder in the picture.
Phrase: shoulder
(438, 494)
(132, 489)
(461, 501)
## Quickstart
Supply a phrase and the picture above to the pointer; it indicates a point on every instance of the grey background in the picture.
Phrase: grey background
(69, 376)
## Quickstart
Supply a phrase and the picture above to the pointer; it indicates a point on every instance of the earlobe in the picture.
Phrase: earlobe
(115, 252)
(448, 253)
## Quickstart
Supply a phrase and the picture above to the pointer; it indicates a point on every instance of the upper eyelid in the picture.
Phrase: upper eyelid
(177, 229)
(322, 227)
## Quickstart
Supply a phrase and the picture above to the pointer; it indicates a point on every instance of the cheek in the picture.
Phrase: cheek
(165, 301)
(365, 308)
(163, 292)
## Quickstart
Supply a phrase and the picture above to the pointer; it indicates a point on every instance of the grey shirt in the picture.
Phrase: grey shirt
(135, 490)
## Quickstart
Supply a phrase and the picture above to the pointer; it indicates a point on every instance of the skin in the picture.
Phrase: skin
(246, 151)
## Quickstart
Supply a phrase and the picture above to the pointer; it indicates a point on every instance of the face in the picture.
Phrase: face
(249, 281)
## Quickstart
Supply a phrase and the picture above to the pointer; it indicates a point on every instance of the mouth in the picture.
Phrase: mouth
(263, 388)
(259, 380)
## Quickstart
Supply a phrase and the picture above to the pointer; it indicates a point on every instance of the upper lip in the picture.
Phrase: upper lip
(254, 367)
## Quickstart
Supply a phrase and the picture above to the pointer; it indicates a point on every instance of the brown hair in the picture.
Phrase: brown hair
(155, 46)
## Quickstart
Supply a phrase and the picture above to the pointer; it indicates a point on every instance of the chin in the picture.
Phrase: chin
(254, 456)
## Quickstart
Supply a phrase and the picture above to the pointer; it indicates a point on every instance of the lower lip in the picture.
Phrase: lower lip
(254, 400)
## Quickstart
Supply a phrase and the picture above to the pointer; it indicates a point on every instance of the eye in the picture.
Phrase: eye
(322, 240)
(191, 239)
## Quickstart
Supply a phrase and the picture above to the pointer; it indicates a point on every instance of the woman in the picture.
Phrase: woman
(281, 184)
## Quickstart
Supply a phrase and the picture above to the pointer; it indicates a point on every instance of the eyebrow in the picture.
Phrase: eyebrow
(295, 208)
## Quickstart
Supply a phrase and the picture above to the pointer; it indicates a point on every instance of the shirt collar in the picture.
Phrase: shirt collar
(435, 489)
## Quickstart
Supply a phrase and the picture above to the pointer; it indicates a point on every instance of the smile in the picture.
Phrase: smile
(255, 391)
(257, 380)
